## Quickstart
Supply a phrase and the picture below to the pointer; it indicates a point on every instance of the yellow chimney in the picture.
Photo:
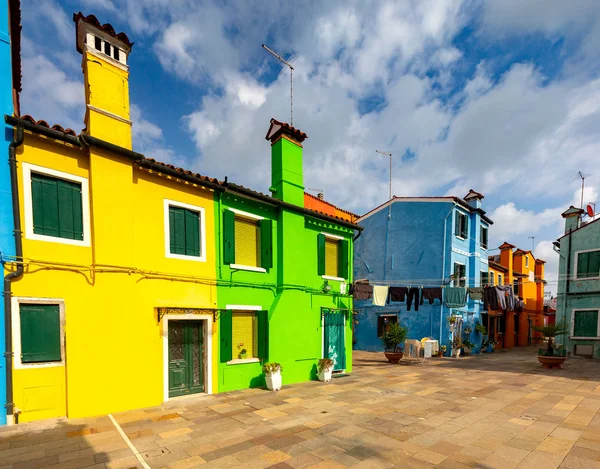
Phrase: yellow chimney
(106, 79)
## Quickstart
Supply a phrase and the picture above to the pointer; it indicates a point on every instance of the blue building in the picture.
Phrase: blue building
(10, 86)
(421, 242)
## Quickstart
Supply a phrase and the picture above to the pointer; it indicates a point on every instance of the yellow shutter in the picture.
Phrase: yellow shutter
(331, 257)
(243, 334)
(247, 242)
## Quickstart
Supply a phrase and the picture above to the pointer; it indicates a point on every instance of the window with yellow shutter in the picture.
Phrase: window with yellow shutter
(244, 334)
(247, 242)
(331, 257)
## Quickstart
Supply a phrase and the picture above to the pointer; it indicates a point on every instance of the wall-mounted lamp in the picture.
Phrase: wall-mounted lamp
(326, 287)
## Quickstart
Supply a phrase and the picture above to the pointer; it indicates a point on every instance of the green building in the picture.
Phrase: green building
(283, 276)
(578, 299)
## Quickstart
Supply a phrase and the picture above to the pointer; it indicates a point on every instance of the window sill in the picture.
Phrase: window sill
(247, 267)
(459, 237)
(56, 239)
(183, 257)
(241, 361)
(579, 279)
(584, 338)
(329, 277)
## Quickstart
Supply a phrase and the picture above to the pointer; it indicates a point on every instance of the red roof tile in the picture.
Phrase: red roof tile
(43, 123)
(107, 28)
(278, 127)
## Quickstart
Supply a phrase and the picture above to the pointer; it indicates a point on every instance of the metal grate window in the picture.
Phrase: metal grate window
(247, 242)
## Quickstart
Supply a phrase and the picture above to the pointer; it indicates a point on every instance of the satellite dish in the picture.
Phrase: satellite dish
(590, 210)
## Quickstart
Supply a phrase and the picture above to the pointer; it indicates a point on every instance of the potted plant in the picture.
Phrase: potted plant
(325, 368)
(443, 349)
(392, 342)
(457, 345)
(272, 373)
(552, 356)
(480, 328)
(467, 346)
(243, 354)
(467, 330)
(452, 320)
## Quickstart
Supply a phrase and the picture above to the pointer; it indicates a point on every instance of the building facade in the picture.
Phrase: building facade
(521, 270)
(578, 296)
(141, 282)
(421, 242)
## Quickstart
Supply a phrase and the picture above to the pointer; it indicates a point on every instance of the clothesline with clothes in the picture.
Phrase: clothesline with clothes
(493, 297)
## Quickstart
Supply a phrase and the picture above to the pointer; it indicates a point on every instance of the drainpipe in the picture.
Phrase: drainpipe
(568, 281)
(8, 354)
(444, 270)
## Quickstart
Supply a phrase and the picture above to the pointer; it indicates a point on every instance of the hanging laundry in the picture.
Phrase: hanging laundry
(380, 293)
(456, 297)
(506, 298)
(413, 293)
(475, 293)
(490, 299)
(362, 291)
(397, 294)
(431, 294)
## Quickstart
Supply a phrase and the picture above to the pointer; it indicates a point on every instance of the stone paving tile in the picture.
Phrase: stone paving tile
(496, 410)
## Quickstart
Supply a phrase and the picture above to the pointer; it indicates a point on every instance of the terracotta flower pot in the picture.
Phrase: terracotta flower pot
(394, 357)
(551, 362)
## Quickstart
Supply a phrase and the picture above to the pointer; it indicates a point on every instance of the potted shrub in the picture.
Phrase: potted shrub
(467, 330)
(443, 349)
(325, 368)
(272, 373)
(243, 354)
(552, 356)
(392, 342)
(467, 346)
(480, 328)
(457, 345)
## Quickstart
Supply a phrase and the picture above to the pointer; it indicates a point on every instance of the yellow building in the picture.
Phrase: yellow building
(111, 241)
(525, 273)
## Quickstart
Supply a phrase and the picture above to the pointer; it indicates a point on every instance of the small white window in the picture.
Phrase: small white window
(526, 261)
(185, 236)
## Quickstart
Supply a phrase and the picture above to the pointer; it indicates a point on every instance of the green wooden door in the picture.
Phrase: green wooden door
(186, 352)
(333, 339)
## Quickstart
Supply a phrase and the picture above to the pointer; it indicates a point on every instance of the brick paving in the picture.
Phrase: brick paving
(493, 411)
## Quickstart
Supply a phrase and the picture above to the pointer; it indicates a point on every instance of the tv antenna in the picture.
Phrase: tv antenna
(582, 187)
(318, 191)
(532, 238)
(291, 67)
(390, 155)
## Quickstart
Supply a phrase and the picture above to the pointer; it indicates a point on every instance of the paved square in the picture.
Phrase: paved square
(500, 410)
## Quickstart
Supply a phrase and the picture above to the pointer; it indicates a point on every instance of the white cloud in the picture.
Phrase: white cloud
(511, 222)
(544, 250)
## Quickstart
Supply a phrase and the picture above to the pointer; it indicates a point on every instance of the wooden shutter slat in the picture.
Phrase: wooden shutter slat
(177, 230)
(343, 263)
(263, 335)
(228, 237)
(321, 254)
(192, 233)
(225, 334)
(40, 333)
(586, 323)
(266, 243)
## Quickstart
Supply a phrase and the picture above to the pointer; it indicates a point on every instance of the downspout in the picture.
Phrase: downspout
(8, 354)
(444, 270)
(567, 280)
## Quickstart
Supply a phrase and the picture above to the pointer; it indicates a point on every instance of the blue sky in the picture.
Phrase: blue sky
(499, 96)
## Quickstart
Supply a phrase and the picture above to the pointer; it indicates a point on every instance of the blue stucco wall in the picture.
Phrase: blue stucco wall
(583, 293)
(406, 244)
(6, 221)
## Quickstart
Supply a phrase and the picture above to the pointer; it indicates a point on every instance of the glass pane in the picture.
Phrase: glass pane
(176, 342)
(196, 354)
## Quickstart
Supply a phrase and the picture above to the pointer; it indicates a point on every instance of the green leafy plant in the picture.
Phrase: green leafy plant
(480, 328)
(394, 338)
(452, 319)
(271, 367)
(468, 344)
(467, 330)
(243, 353)
(324, 364)
(550, 332)
(457, 343)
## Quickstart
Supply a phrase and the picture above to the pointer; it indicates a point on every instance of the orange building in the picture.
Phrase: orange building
(525, 273)
(317, 203)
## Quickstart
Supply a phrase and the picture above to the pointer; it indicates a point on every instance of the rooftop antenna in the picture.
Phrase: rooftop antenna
(290, 66)
(318, 191)
(390, 155)
(532, 238)
(582, 186)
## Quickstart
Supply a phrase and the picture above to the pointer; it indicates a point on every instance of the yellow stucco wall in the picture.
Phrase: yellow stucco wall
(112, 288)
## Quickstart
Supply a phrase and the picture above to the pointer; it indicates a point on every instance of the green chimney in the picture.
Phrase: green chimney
(572, 216)
(287, 180)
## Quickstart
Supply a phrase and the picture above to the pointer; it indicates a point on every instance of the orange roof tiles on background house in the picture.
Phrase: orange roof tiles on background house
(314, 203)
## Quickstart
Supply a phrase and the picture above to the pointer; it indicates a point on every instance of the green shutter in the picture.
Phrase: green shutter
(321, 254)
(192, 233)
(70, 216)
(343, 264)
(40, 333)
(225, 333)
(266, 244)
(586, 324)
(263, 335)
(588, 264)
(177, 230)
(45, 205)
(228, 237)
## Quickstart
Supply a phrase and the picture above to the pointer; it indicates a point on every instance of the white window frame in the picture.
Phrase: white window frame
(486, 228)
(459, 279)
(573, 311)
(456, 213)
(577, 260)
(29, 168)
(16, 331)
(245, 309)
(338, 239)
(492, 278)
(194, 208)
(500, 280)
(526, 261)
(488, 276)
(253, 217)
